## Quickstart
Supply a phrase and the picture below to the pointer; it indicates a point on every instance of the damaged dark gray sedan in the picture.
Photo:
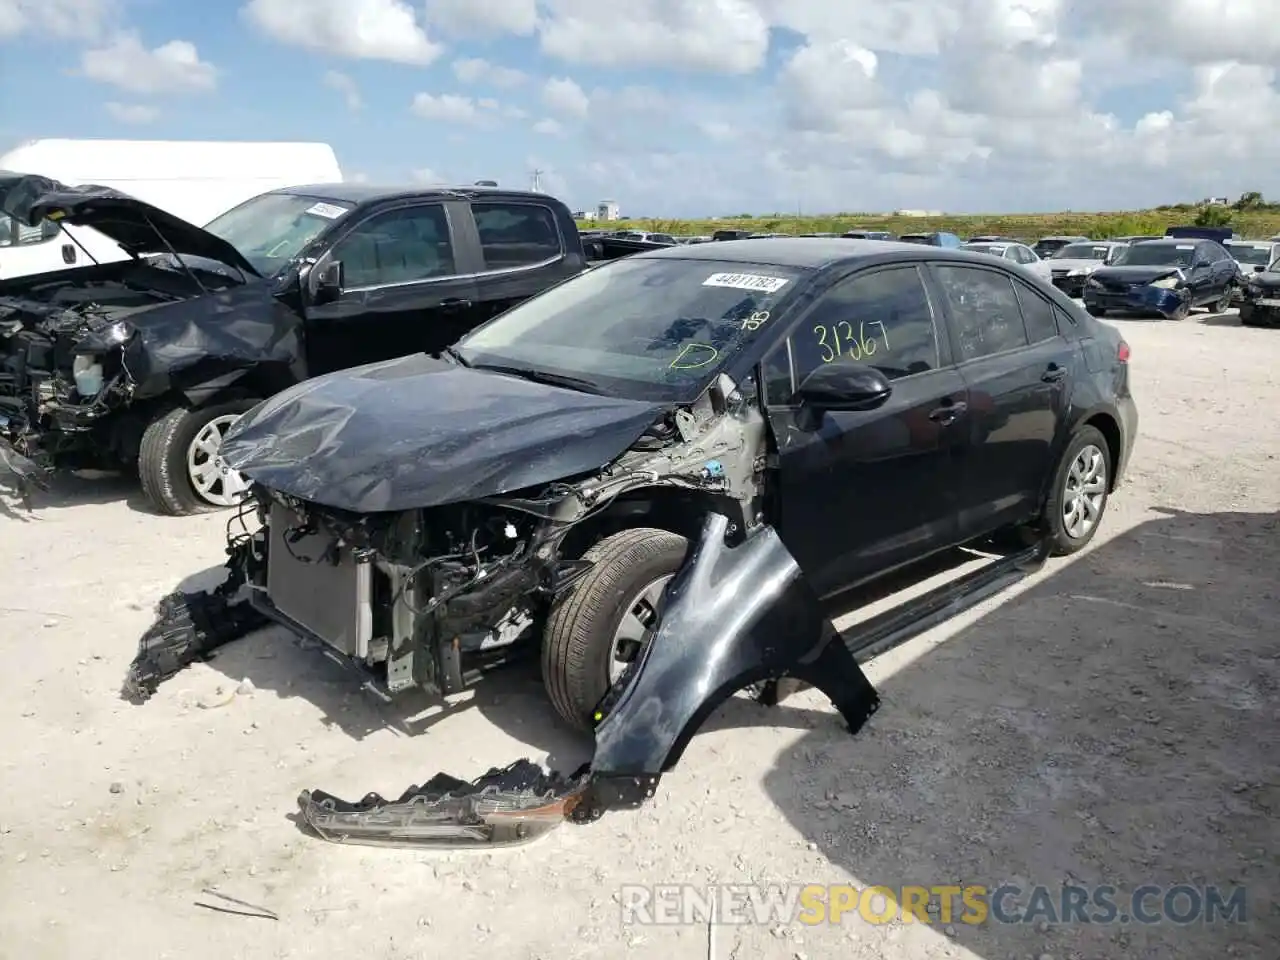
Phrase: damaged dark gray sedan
(655, 473)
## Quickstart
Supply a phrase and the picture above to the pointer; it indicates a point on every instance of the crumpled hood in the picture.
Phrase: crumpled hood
(419, 431)
(1136, 274)
(1268, 278)
(138, 227)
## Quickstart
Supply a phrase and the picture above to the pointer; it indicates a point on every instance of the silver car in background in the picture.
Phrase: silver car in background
(1018, 253)
(1073, 264)
(1249, 255)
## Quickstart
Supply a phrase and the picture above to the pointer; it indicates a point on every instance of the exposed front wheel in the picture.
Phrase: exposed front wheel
(602, 623)
(1078, 498)
(180, 463)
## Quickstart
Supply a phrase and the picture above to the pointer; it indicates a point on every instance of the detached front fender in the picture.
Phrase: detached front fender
(733, 616)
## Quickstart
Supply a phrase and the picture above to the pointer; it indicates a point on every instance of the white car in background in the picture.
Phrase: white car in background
(1019, 253)
(1073, 264)
(1250, 254)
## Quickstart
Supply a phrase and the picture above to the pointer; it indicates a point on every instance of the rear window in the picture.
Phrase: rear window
(516, 234)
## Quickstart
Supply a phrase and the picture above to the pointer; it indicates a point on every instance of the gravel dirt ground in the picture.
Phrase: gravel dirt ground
(1111, 720)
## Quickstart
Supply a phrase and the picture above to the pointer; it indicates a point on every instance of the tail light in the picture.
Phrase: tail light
(1122, 352)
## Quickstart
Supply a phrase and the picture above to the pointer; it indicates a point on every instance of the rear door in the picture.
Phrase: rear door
(523, 251)
(1018, 368)
(864, 491)
(403, 289)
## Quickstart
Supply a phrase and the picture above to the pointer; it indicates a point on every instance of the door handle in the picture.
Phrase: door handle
(455, 303)
(948, 412)
(1053, 374)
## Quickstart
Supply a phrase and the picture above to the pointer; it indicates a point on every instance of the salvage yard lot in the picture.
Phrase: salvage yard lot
(1112, 720)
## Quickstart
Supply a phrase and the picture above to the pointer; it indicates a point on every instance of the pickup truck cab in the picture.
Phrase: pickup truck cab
(147, 362)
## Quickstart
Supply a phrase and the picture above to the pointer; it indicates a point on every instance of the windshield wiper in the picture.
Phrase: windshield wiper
(542, 376)
(453, 354)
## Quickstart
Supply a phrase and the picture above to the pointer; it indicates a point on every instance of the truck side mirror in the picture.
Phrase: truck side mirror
(326, 283)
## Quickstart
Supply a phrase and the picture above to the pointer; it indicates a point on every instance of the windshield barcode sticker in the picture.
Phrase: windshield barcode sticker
(746, 281)
(326, 210)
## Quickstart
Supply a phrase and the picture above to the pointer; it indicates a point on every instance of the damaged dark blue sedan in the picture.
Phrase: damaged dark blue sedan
(1168, 277)
(654, 475)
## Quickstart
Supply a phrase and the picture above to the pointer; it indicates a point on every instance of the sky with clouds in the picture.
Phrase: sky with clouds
(688, 107)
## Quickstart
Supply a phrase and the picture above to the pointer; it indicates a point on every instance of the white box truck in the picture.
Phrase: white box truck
(194, 180)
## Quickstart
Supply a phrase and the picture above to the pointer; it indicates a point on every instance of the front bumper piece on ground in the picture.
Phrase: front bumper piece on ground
(736, 616)
(21, 474)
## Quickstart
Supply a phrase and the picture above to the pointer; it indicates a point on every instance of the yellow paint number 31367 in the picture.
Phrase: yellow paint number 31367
(839, 339)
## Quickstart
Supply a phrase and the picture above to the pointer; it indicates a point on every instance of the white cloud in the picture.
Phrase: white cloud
(173, 67)
(356, 29)
(137, 114)
(548, 127)
(61, 19)
(344, 85)
(483, 17)
(726, 36)
(478, 71)
(562, 95)
(451, 108)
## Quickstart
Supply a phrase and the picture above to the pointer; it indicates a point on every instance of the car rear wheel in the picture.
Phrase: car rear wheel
(1224, 302)
(179, 462)
(604, 621)
(1078, 497)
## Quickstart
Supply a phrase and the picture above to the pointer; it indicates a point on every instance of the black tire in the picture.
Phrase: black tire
(162, 457)
(1183, 311)
(578, 642)
(1052, 519)
(1096, 311)
(1246, 314)
(1223, 303)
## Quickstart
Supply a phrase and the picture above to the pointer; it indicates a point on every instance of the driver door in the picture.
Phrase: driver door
(400, 291)
(862, 492)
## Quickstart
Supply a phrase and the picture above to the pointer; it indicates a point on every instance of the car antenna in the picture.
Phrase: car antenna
(174, 253)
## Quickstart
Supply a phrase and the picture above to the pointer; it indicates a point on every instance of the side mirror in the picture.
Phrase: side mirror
(839, 386)
(326, 283)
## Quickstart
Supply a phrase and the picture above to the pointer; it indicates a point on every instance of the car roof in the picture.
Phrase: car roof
(808, 253)
(1174, 241)
(360, 193)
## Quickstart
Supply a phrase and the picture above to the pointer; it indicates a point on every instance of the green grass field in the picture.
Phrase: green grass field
(1253, 224)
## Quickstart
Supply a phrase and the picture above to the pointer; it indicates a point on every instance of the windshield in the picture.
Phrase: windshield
(272, 229)
(654, 329)
(1254, 256)
(1158, 255)
(1081, 251)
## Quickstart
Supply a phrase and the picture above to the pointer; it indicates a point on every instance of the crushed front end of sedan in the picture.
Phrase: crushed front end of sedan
(91, 357)
(430, 596)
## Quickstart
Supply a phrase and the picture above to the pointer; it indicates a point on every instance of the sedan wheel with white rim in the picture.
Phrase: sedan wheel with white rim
(215, 482)
(635, 627)
(1078, 498)
(1085, 493)
(601, 624)
(180, 461)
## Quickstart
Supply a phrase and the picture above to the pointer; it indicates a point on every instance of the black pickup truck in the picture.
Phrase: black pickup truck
(146, 362)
